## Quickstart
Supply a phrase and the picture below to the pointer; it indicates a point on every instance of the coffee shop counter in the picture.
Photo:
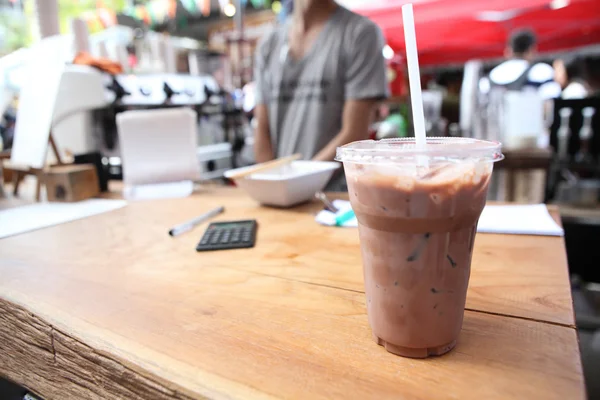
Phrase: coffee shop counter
(112, 307)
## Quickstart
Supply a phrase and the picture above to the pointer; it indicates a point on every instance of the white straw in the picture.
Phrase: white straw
(414, 77)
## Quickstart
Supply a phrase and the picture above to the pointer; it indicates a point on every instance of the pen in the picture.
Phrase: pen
(186, 226)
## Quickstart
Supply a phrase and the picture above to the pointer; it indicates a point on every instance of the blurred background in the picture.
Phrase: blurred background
(144, 55)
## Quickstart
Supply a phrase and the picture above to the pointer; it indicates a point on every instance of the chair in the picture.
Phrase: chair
(158, 147)
(526, 160)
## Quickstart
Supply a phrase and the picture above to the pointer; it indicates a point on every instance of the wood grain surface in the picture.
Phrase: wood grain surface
(112, 307)
(519, 275)
(222, 333)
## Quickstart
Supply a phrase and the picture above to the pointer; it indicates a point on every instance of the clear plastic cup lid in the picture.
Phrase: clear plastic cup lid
(394, 150)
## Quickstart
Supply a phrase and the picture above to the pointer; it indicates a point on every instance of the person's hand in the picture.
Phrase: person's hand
(356, 118)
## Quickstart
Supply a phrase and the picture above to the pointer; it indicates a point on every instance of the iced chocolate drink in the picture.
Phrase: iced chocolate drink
(417, 211)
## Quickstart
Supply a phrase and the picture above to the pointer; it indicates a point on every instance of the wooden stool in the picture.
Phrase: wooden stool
(68, 183)
(4, 155)
(18, 172)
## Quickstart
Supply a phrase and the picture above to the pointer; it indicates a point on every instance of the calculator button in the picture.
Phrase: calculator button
(204, 240)
(224, 240)
(214, 239)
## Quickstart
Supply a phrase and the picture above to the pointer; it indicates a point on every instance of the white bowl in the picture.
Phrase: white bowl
(287, 185)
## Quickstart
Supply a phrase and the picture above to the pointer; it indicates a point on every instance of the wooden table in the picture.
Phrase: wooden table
(111, 307)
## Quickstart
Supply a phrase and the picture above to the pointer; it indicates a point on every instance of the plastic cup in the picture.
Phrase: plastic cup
(417, 223)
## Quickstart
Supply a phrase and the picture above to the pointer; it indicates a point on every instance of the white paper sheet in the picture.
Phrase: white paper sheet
(19, 220)
(531, 219)
(159, 190)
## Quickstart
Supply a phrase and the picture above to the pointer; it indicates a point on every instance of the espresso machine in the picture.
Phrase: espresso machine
(89, 100)
(219, 134)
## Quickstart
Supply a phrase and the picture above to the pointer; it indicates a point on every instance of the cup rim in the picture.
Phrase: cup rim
(404, 149)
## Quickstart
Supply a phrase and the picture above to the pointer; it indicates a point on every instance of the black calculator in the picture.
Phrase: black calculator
(228, 235)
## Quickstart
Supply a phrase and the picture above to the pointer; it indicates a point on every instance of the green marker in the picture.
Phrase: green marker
(345, 217)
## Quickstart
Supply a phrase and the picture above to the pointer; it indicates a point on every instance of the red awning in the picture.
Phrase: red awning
(453, 31)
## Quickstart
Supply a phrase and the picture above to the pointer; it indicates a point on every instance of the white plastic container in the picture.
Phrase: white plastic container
(287, 185)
